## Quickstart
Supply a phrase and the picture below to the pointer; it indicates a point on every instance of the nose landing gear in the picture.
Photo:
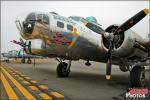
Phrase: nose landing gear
(29, 61)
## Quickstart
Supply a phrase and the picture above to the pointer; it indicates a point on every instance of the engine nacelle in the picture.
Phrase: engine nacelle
(125, 45)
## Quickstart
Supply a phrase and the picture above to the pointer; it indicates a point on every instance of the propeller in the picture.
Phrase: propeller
(109, 61)
(18, 42)
(23, 44)
(132, 21)
(120, 30)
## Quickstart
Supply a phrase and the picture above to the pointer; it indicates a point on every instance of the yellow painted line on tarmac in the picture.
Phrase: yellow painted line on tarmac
(13, 73)
(57, 95)
(20, 78)
(43, 87)
(16, 75)
(27, 94)
(0, 73)
(28, 78)
(10, 92)
(26, 82)
(23, 75)
(33, 88)
(33, 81)
(45, 96)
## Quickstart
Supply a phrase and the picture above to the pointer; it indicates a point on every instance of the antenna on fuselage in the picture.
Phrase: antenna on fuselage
(54, 13)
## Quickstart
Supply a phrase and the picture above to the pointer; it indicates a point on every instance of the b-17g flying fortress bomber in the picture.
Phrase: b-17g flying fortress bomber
(74, 38)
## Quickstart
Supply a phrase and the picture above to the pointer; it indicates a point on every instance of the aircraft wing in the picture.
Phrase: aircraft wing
(29, 56)
(146, 43)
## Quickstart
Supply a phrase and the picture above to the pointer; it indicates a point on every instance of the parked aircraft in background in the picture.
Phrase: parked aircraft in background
(74, 38)
(4, 59)
(15, 54)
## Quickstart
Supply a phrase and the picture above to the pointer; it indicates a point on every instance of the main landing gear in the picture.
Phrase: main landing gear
(23, 60)
(63, 68)
(7, 61)
(137, 76)
(29, 61)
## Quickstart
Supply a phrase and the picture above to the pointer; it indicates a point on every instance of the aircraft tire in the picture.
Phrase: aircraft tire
(23, 60)
(137, 77)
(29, 61)
(7, 61)
(62, 70)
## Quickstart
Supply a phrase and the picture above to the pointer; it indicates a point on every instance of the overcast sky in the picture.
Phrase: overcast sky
(106, 12)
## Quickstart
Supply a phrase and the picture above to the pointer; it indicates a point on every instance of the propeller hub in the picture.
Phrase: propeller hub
(109, 36)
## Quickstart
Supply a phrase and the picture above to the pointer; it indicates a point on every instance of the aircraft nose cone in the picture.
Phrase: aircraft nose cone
(29, 23)
(26, 23)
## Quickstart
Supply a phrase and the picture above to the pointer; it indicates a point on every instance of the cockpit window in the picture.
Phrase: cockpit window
(60, 24)
(83, 20)
(76, 18)
(94, 28)
(40, 17)
(70, 27)
(45, 19)
(90, 24)
(31, 17)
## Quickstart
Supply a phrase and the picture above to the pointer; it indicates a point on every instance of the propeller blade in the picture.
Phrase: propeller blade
(24, 48)
(132, 21)
(108, 70)
(109, 62)
(21, 40)
(17, 42)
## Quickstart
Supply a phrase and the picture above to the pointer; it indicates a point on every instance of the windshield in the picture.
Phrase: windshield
(31, 17)
(38, 17)
(95, 27)
(90, 23)
(76, 18)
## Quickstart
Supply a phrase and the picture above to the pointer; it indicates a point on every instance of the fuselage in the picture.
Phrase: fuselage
(71, 38)
(68, 37)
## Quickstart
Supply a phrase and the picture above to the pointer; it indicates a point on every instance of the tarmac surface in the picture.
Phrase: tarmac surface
(83, 83)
